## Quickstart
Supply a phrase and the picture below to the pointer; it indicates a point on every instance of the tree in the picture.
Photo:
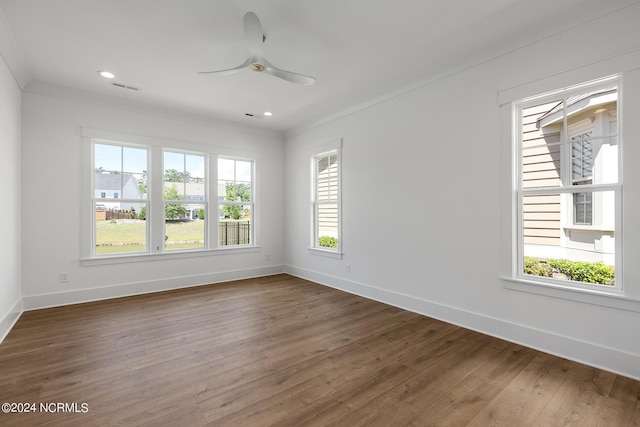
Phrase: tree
(142, 183)
(173, 175)
(236, 192)
(173, 211)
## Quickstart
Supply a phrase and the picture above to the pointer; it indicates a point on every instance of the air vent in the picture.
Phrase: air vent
(125, 86)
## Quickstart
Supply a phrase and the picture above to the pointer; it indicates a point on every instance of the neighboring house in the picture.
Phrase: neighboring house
(194, 193)
(327, 191)
(580, 225)
(117, 186)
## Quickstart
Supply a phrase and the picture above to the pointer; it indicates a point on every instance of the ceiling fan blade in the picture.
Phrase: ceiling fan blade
(288, 75)
(228, 71)
(253, 33)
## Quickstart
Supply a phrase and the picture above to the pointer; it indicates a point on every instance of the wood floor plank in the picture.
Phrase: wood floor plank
(280, 350)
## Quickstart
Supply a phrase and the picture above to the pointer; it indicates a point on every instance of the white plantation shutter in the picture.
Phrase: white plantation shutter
(326, 200)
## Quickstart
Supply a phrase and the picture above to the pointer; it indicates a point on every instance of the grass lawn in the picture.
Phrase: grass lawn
(124, 236)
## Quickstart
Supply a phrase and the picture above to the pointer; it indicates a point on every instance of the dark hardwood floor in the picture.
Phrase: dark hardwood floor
(283, 351)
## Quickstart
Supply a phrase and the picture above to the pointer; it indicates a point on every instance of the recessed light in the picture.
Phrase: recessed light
(268, 113)
(106, 74)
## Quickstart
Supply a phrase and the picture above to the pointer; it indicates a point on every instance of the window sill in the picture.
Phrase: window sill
(589, 228)
(613, 298)
(143, 257)
(326, 253)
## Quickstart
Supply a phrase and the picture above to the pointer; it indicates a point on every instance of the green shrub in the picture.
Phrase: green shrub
(328, 242)
(536, 267)
(143, 213)
(588, 272)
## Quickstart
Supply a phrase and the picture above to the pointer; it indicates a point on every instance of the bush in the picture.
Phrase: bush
(143, 213)
(174, 211)
(328, 242)
(536, 267)
(588, 272)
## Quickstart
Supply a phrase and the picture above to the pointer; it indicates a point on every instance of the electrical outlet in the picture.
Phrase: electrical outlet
(268, 257)
(348, 268)
(64, 277)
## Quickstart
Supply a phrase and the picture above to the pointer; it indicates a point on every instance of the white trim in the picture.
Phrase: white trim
(320, 151)
(10, 319)
(588, 294)
(325, 252)
(253, 205)
(612, 360)
(177, 254)
(620, 64)
(156, 147)
(145, 108)
(34, 302)
(519, 192)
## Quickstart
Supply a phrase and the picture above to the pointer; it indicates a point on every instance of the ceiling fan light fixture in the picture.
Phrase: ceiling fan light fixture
(258, 63)
(106, 74)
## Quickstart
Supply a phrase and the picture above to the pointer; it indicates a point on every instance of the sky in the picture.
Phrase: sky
(134, 161)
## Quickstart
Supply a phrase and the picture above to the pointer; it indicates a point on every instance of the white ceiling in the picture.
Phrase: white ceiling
(357, 49)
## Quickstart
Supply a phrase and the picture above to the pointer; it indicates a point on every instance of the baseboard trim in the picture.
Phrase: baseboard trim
(10, 319)
(35, 302)
(590, 354)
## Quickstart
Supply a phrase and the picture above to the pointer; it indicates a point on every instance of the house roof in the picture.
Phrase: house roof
(113, 182)
(577, 104)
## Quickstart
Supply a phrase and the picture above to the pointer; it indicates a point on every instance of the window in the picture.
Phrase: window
(119, 170)
(326, 201)
(184, 197)
(147, 198)
(235, 202)
(581, 174)
(568, 187)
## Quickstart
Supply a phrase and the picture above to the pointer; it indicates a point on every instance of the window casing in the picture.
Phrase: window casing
(117, 172)
(149, 198)
(567, 188)
(326, 201)
(185, 200)
(235, 202)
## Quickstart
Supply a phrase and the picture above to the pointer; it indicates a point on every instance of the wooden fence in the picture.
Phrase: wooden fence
(109, 214)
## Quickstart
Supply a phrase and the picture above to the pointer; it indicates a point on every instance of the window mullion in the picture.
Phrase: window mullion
(563, 195)
(155, 215)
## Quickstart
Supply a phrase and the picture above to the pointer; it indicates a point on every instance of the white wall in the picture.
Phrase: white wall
(10, 256)
(52, 179)
(424, 205)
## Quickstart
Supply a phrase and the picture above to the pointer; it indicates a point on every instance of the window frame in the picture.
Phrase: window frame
(587, 203)
(314, 248)
(252, 203)
(204, 203)
(155, 200)
(566, 192)
(95, 199)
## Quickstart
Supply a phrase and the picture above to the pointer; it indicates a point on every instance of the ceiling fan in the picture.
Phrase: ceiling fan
(258, 63)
